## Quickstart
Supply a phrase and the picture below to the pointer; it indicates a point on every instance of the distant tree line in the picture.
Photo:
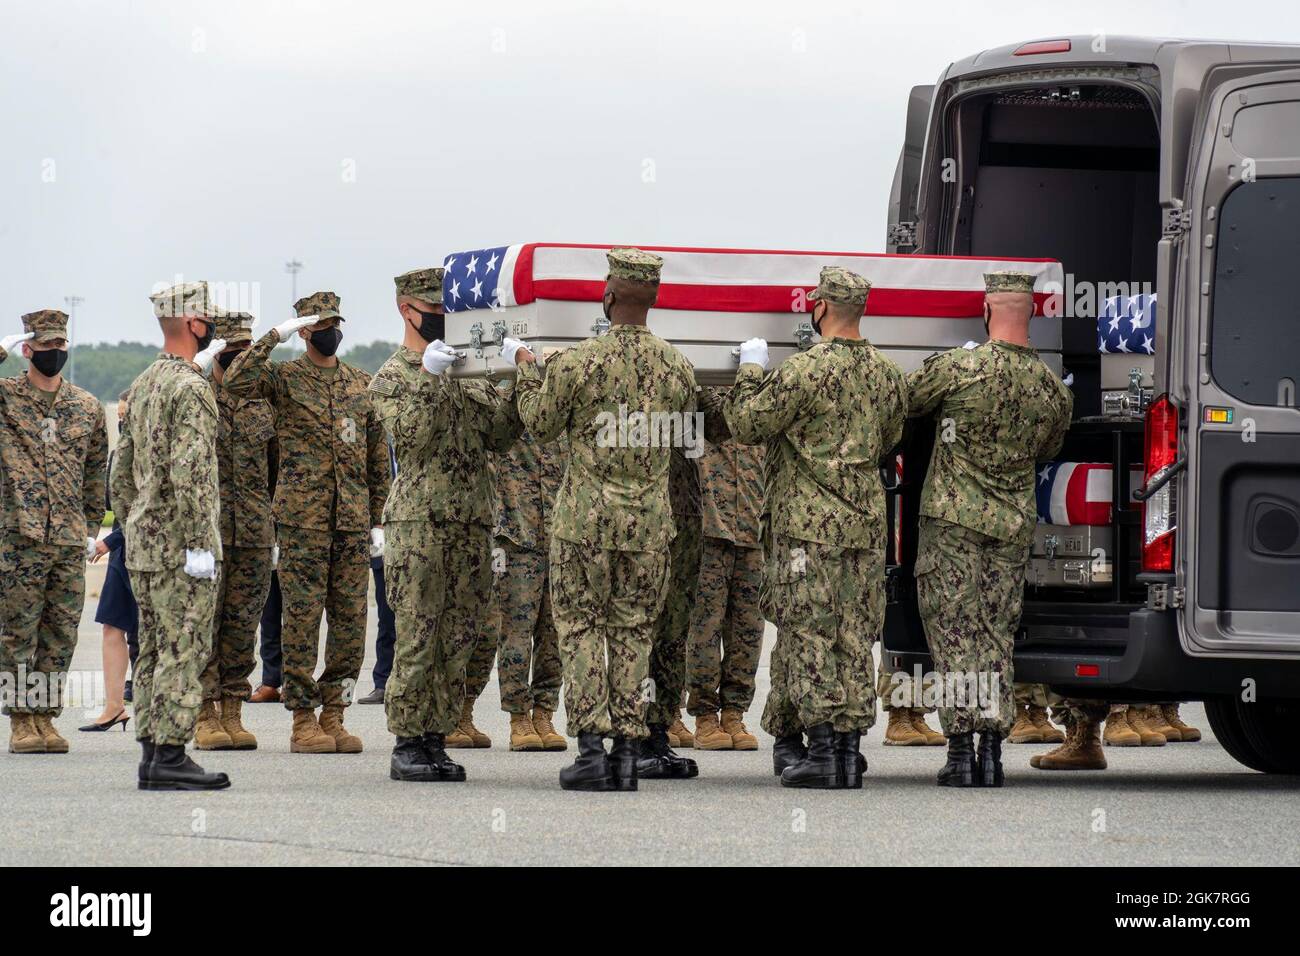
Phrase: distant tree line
(108, 370)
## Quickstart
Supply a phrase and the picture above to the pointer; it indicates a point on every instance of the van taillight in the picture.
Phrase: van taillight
(1158, 514)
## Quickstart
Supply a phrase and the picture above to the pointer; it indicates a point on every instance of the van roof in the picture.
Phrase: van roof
(1157, 51)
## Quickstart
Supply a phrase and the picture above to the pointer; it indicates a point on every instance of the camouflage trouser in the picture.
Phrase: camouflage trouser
(439, 579)
(900, 686)
(1034, 695)
(42, 589)
(323, 572)
(970, 588)
(242, 587)
(1064, 709)
(606, 605)
(176, 613)
(726, 634)
(479, 668)
(520, 620)
(829, 606)
(668, 656)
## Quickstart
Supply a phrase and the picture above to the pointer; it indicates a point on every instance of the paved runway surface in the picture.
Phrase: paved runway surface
(1180, 804)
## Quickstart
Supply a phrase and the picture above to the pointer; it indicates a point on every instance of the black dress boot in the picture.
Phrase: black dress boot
(848, 751)
(146, 758)
(591, 771)
(658, 762)
(624, 760)
(786, 752)
(436, 750)
(411, 762)
(959, 771)
(989, 760)
(172, 769)
(821, 768)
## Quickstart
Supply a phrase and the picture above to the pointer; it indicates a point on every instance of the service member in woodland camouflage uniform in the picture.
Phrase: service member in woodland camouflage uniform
(830, 416)
(53, 456)
(527, 479)
(438, 521)
(612, 526)
(726, 625)
(166, 494)
(245, 443)
(999, 410)
(331, 487)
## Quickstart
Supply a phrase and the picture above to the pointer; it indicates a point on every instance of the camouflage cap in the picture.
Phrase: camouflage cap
(47, 325)
(1009, 282)
(322, 304)
(422, 284)
(186, 298)
(235, 327)
(634, 265)
(837, 284)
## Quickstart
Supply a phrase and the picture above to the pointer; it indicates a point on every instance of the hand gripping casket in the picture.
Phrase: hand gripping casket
(549, 295)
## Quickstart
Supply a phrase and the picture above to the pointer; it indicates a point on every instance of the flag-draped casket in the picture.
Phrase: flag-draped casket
(549, 295)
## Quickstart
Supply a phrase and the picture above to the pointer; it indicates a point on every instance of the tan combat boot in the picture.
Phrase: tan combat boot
(331, 722)
(466, 727)
(900, 732)
(932, 737)
(1038, 715)
(208, 732)
(1024, 730)
(1118, 732)
(1139, 721)
(683, 737)
(1156, 721)
(24, 738)
(232, 723)
(1186, 734)
(1081, 750)
(709, 734)
(523, 735)
(733, 724)
(54, 743)
(308, 738)
(551, 738)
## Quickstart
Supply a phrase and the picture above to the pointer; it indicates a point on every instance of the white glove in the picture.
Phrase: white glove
(1068, 380)
(9, 341)
(510, 347)
(90, 548)
(438, 357)
(754, 352)
(971, 345)
(286, 329)
(204, 359)
(275, 556)
(200, 564)
(376, 542)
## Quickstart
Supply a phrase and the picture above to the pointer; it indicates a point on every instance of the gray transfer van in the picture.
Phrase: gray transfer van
(1172, 165)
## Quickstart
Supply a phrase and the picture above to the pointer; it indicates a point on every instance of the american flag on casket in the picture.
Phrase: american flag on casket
(1078, 492)
(549, 294)
(1127, 324)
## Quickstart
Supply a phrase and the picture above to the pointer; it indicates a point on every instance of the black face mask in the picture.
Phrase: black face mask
(49, 362)
(326, 341)
(816, 322)
(225, 358)
(206, 339)
(433, 325)
(988, 314)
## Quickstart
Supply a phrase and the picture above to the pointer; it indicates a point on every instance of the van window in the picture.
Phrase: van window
(1255, 323)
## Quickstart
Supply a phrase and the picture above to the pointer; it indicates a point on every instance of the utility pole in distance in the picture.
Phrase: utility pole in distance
(72, 301)
(293, 267)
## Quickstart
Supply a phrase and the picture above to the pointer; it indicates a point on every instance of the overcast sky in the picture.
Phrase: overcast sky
(216, 140)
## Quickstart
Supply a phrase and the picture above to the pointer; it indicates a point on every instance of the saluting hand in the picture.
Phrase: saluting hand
(9, 341)
(286, 329)
(204, 359)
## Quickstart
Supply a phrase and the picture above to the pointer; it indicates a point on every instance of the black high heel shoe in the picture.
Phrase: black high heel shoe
(121, 718)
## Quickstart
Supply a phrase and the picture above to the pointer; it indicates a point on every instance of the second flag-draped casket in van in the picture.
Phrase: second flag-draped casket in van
(549, 295)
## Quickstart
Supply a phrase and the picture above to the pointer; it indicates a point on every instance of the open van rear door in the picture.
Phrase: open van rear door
(1237, 365)
(901, 234)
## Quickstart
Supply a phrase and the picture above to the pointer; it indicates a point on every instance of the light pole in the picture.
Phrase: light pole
(72, 301)
(293, 267)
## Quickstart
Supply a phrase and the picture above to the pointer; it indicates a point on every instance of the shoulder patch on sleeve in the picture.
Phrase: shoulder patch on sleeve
(384, 386)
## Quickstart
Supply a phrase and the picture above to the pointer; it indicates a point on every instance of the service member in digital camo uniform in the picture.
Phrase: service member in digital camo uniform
(53, 461)
(331, 487)
(438, 551)
(1000, 410)
(726, 624)
(612, 526)
(245, 445)
(830, 416)
(166, 493)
